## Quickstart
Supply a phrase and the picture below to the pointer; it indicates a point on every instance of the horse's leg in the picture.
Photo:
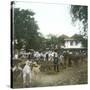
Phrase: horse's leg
(30, 77)
(24, 80)
(35, 75)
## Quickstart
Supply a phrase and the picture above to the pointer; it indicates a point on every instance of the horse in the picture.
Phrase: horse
(35, 70)
(27, 75)
(25, 72)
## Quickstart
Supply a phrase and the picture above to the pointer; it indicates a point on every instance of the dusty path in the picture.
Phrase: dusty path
(69, 76)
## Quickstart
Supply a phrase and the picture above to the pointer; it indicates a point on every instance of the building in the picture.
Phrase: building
(72, 43)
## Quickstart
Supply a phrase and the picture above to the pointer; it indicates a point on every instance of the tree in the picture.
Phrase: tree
(81, 39)
(61, 40)
(52, 41)
(80, 13)
(25, 29)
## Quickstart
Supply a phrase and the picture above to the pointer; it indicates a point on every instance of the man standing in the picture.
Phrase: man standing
(56, 66)
(47, 56)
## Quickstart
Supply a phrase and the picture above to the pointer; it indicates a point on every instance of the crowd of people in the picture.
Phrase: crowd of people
(56, 58)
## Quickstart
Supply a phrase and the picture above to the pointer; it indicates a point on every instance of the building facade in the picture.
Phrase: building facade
(72, 43)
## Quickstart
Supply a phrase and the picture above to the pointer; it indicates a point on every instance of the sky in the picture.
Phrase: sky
(52, 19)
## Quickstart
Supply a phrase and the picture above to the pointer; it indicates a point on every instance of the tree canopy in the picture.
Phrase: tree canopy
(80, 13)
(25, 28)
(27, 35)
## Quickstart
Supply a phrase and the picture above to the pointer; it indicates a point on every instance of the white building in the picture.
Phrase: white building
(72, 43)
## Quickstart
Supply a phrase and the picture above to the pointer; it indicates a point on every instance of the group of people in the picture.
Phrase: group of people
(53, 56)
(44, 56)
(32, 65)
(33, 68)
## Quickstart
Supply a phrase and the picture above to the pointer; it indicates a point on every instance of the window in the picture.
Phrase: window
(76, 43)
(71, 43)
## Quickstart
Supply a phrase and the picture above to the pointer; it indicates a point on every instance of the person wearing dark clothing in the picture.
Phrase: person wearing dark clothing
(56, 66)
(47, 56)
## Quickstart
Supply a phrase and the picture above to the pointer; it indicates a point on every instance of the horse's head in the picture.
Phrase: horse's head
(28, 62)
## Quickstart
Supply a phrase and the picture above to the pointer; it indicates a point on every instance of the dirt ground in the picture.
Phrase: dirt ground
(69, 76)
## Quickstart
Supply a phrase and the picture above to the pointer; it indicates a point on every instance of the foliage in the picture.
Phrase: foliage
(25, 29)
(61, 39)
(80, 38)
(27, 35)
(80, 13)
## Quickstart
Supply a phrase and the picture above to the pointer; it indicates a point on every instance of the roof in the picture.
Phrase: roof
(69, 39)
(75, 37)
(80, 48)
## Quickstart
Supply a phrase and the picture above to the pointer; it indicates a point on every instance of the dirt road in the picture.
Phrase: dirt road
(69, 76)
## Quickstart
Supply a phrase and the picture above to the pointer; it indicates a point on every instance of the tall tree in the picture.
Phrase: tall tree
(51, 41)
(80, 13)
(25, 28)
(61, 39)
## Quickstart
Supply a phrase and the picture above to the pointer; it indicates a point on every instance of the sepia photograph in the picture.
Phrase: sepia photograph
(49, 44)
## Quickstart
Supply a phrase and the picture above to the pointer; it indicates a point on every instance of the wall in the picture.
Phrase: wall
(73, 45)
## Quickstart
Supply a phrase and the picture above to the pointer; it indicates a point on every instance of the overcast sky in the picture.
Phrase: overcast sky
(51, 18)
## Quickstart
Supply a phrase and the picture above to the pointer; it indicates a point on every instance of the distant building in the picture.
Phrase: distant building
(72, 43)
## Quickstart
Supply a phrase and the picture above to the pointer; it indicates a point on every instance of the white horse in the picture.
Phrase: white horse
(26, 72)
